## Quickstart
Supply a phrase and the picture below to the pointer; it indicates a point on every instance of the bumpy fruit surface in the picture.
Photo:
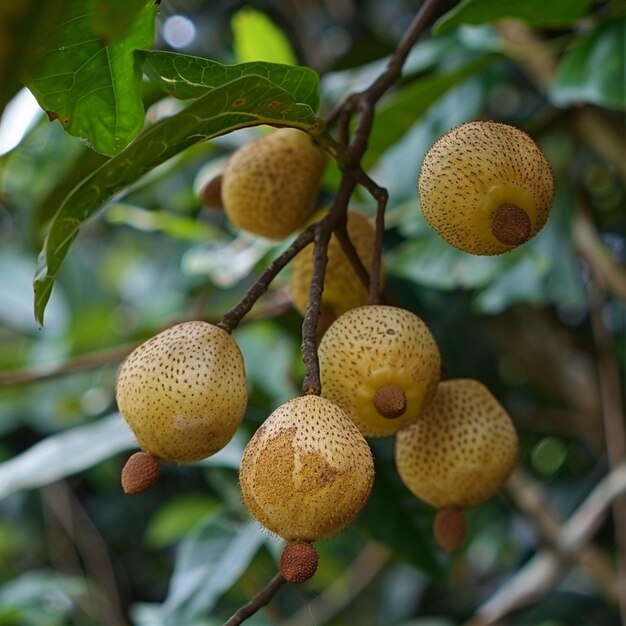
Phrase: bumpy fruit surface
(381, 365)
(183, 392)
(270, 185)
(343, 289)
(462, 450)
(485, 187)
(307, 471)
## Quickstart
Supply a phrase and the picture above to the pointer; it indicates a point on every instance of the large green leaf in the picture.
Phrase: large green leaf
(246, 101)
(396, 115)
(594, 69)
(534, 12)
(90, 82)
(209, 562)
(184, 76)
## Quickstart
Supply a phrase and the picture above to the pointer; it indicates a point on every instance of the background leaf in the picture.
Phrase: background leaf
(533, 12)
(246, 101)
(257, 38)
(593, 70)
(91, 84)
(184, 76)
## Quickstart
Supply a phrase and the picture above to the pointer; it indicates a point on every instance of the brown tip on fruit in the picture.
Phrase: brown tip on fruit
(449, 529)
(390, 401)
(510, 225)
(298, 562)
(211, 194)
(140, 472)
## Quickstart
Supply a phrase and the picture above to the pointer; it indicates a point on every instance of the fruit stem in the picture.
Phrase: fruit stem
(260, 600)
(390, 401)
(510, 225)
(231, 319)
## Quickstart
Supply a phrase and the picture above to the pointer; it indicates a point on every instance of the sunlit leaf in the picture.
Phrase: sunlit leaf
(184, 76)
(257, 38)
(92, 85)
(594, 69)
(534, 12)
(246, 101)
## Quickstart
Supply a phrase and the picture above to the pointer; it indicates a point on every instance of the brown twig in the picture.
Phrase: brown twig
(259, 601)
(232, 318)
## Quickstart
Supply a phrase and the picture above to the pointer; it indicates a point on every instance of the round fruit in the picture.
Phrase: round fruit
(486, 187)
(462, 450)
(140, 472)
(343, 289)
(307, 471)
(183, 392)
(270, 185)
(381, 365)
(298, 562)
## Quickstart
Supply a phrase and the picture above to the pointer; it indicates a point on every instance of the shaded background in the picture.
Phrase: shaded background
(544, 327)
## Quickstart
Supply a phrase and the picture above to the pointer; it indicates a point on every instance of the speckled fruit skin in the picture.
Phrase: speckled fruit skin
(307, 472)
(470, 171)
(372, 346)
(343, 289)
(183, 392)
(269, 186)
(462, 450)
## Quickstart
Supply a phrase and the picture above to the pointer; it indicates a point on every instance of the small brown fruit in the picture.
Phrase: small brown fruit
(343, 289)
(298, 562)
(462, 450)
(381, 365)
(307, 472)
(140, 472)
(183, 392)
(486, 187)
(211, 194)
(270, 186)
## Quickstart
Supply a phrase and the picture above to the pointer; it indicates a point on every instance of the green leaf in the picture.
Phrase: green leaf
(112, 18)
(177, 517)
(208, 563)
(594, 69)
(64, 454)
(395, 116)
(90, 84)
(536, 13)
(184, 76)
(246, 101)
(257, 38)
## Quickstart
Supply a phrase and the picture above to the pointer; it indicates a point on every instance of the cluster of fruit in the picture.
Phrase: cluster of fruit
(308, 470)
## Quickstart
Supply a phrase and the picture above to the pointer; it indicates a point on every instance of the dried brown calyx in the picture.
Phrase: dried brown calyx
(390, 401)
(449, 529)
(140, 472)
(511, 225)
(298, 562)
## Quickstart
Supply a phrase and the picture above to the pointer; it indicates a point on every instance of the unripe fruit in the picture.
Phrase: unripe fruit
(139, 473)
(298, 562)
(462, 450)
(486, 187)
(183, 392)
(307, 471)
(343, 289)
(381, 365)
(270, 185)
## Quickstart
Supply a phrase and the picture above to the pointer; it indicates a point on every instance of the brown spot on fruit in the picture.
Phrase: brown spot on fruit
(449, 529)
(510, 225)
(211, 194)
(390, 401)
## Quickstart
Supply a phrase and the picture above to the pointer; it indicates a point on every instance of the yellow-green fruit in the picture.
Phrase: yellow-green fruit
(343, 289)
(307, 472)
(486, 187)
(183, 392)
(381, 365)
(462, 450)
(269, 186)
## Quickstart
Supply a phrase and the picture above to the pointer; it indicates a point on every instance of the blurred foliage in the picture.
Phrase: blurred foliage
(73, 548)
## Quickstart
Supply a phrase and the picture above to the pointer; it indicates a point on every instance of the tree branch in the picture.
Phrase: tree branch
(259, 601)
